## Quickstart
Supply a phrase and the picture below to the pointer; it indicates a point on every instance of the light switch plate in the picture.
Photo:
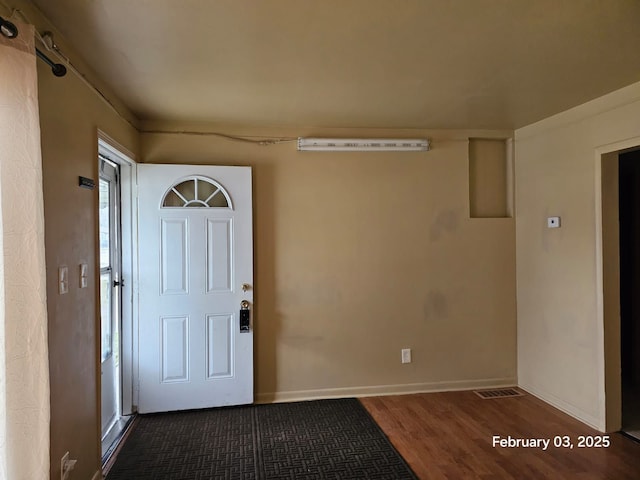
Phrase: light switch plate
(553, 222)
(83, 275)
(63, 279)
(406, 355)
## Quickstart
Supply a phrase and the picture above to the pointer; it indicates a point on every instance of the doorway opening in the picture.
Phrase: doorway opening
(629, 215)
(116, 261)
(618, 176)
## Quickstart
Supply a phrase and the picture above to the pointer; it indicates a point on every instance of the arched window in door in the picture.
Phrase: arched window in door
(197, 191)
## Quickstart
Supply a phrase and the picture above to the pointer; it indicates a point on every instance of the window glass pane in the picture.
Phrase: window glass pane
(205, 190)
(173, 200)
(104, 223)
(186, 189)
(218, 200)
(105, 314)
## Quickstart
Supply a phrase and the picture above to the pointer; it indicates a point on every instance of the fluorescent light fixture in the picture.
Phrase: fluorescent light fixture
(362, 145)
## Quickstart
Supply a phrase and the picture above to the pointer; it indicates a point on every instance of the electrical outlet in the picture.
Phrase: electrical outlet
(66, 465)
(406, 355)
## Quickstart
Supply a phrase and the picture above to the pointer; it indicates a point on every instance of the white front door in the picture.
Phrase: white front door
(195, 272)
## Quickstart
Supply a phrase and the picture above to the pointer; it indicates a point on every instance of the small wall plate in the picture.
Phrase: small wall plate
(553, 222)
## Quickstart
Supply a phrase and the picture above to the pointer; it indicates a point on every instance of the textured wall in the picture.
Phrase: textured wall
(70, 116)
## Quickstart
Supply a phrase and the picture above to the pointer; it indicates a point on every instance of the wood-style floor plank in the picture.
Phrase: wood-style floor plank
(449, 436)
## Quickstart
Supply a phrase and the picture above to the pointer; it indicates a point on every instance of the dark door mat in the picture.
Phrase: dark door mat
(323, 439)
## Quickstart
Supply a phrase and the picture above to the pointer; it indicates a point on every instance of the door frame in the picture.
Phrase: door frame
(120, 155)
(608, 281)
(110, 382)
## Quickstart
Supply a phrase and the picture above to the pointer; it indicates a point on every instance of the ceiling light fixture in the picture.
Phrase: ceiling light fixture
(362, 145)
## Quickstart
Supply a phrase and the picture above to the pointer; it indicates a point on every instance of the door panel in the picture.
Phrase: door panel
(219, 346)
(173, 254)
(175, 349)
(195, 237)
(219, 241)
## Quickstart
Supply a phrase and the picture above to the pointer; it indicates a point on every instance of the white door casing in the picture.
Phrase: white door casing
(195, 255)
(117, 154)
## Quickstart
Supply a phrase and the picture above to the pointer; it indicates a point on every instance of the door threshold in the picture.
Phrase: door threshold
(114, 437)
(633, 434)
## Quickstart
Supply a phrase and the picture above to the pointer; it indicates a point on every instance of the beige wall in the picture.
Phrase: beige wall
(359, 255)
(559, 274)
(70, 115)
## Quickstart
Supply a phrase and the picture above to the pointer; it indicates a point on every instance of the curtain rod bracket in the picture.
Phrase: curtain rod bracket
(8, 29)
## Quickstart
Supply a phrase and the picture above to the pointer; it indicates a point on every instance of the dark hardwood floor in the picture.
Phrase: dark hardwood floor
(450, 436)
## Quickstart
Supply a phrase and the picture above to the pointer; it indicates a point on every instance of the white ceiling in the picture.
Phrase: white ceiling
(355, 63)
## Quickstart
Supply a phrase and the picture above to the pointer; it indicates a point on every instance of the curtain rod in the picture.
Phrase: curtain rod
(9, 30)
(57, 69)
(47, 40)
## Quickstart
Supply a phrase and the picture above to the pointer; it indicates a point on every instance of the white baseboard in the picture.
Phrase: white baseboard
(566, 407)
(379, 390)
(97, 475)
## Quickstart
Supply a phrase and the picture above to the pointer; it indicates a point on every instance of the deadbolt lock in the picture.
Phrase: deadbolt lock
(245, 317)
